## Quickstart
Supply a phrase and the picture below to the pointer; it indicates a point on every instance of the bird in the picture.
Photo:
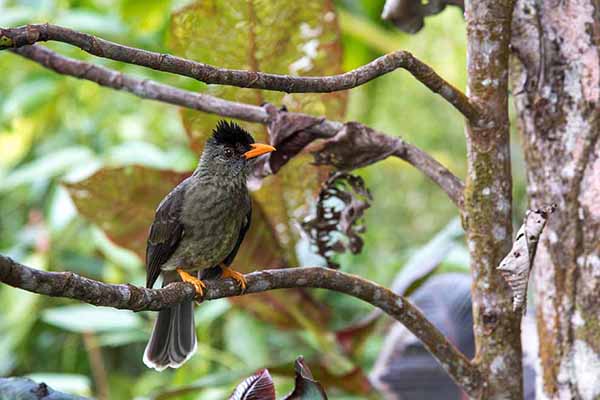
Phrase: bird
(197, 231)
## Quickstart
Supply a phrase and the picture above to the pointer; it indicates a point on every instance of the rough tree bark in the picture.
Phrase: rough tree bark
(488, 199)
(556, 84)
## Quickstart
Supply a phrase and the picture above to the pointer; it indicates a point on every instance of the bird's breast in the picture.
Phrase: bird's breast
(212, 219)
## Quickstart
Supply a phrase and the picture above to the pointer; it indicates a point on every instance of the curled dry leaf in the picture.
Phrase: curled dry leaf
(259, 386)
(516, 266)
(341, 204)
(288, 132)
(409, 15)
(307, 388)
(341, 150)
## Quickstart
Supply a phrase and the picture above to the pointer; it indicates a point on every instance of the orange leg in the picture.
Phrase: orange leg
(198, 284)
(236, 276)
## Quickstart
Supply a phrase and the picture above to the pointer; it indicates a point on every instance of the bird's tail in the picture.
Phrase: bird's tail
(173, 339)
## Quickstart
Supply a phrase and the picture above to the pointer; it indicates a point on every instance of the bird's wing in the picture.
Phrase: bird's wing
(165, 233)
(245, 226)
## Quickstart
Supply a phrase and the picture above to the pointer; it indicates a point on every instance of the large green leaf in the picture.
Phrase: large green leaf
(286, 37)
(86, 318)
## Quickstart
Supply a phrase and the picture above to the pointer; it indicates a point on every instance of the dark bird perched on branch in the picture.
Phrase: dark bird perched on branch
(199, 226)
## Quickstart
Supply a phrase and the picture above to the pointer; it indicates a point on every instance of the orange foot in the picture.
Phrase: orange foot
(236, 276)
(198, 284)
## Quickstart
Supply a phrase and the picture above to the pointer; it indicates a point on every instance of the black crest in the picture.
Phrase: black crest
(231, 134)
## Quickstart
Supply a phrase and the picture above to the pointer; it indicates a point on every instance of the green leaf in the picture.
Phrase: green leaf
(27, 97)
(46, 167)
(146, 16)
(251, 346)
(122, 338)
(86, 318)
(122, 201)
(91, 22)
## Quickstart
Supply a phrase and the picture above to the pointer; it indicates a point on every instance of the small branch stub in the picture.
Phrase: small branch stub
(517, 264)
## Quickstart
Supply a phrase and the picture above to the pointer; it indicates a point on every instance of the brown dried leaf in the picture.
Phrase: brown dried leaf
(306, 387)
(516, 266)
(259, 386)
(340, 151)
(409, 15)
(122, 201)
(288, 132)
(336, 225)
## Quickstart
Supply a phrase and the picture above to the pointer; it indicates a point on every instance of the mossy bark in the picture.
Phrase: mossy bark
(556, 81)
(488, 199)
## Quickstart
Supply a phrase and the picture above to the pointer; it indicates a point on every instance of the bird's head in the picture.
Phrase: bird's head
(231, 150)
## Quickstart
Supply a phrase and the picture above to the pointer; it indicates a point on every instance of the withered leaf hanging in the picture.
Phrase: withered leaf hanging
(342, 150)
(516, 266)
(409, 15)
(307, 388)
(336, 225)
(289, 133)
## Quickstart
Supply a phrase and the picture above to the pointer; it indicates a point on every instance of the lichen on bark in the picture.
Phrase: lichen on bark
(556, 79)
(488, 199)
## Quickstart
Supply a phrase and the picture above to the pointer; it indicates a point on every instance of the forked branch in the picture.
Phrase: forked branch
(148, 89)
(30, 34)
(70, 285)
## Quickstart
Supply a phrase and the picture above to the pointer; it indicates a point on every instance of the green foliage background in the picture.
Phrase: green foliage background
(55, 129)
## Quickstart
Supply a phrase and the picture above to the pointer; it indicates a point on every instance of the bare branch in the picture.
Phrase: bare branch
(70, 285)
(148, 89)
(30, 34)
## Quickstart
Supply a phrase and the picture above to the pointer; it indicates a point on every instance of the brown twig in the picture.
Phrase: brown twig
(148, 89)
(70, 285)
(30, 34)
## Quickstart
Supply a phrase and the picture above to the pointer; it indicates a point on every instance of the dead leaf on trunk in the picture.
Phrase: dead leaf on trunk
(336, 225)
(516, 266)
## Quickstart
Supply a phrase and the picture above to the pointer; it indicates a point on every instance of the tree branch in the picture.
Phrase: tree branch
(30, 34)
(148, 89)
(129, 297)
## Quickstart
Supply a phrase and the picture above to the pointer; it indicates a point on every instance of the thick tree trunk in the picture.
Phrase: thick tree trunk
(488, 198)
(556, 85)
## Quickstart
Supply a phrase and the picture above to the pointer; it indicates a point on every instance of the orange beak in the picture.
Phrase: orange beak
(257, 150)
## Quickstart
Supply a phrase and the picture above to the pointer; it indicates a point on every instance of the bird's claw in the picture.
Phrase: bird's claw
(199, 286)
(236, 276)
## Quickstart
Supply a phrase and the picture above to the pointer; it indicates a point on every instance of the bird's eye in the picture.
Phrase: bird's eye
(228, 152)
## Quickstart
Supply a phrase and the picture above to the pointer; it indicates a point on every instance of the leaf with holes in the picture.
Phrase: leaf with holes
(336, 225)
(516, 266)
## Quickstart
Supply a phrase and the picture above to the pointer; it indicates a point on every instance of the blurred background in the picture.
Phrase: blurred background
(83, 167)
